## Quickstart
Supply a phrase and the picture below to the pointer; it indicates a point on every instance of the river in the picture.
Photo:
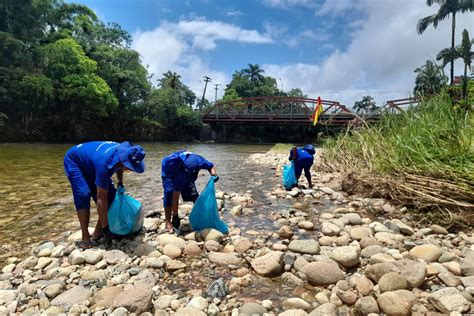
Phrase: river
(36, 203)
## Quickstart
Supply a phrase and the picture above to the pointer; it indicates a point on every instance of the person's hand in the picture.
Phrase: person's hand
(215, 178)
(120, 185)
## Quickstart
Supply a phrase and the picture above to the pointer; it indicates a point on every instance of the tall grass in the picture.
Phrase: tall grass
(434, 139)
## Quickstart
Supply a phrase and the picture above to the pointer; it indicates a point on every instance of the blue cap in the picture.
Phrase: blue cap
(131, 156)
(309, 149)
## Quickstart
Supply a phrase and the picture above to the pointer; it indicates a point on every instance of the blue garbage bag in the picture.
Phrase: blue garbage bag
(205, 212)
(289, 177)
(125, 214)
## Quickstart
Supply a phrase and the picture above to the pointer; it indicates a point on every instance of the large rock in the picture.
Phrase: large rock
(271, 264)
(173, 251)
(363, 285)
(212, 234)
(330, 229)
(7, 296)
(164, 239)
(289, 279)
(369, 251)
(326, 309)
(135, 298)
(76, 257)
(467, 266)
(397, 302)
(347, 256)
(92, 256)
(367, 305)
(293, 312)
(413, 271)
(242, 245)
(252, 309)
(75, 295)
(353, 218)
(285, 232)
(358, 233)
(305, 246)
(115, 256)
(295, 303)
(143, 250)
(449, 300)
(392, 281)
(29, 263)
(224, 258)
(53, 290)
(104, 298)
(218, 289)
(49, 245)
(376, 271)
(198, 302)
(323, 273)
(163, 302)
(192, 250)
(174, 265)
(429, 253)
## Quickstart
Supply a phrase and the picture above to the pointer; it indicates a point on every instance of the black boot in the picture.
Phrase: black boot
(108, 236)
(176, 222)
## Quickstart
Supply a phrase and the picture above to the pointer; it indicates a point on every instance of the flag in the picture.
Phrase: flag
(317, 111)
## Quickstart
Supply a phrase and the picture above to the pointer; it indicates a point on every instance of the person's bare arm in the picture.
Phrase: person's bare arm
(102, 206)
(120, 176)
(175, 202)
(213, 171)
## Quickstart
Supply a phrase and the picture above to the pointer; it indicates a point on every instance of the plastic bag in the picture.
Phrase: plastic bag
(205, 212)
(289, 177)
(125, 214)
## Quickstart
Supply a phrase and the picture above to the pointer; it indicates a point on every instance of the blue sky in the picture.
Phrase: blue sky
(338, 49)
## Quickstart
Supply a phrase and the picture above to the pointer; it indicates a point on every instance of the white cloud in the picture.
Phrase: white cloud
(235, 13)
(289, 3)
(335, 7)
(384, 51)
(178, 47)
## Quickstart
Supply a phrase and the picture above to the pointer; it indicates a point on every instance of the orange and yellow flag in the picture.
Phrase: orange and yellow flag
(317, 111)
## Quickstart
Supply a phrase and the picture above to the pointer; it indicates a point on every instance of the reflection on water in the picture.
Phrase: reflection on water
(36, 202)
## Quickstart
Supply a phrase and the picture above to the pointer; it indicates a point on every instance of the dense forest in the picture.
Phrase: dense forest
(66, 76)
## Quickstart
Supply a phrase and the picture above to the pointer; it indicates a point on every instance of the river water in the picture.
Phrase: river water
(36, 202)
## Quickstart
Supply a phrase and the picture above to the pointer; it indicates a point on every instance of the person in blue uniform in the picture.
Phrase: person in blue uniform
(303, 159)
(179, 171)
(89, 168)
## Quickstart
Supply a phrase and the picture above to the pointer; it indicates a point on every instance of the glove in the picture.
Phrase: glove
(108, 236)
(215, 177)
(176, 221)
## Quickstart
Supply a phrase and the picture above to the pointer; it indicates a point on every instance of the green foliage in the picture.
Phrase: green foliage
(231, 95)
(433, 139)
(366, 105)
(296, 92)
(430, 79)
(250, 82)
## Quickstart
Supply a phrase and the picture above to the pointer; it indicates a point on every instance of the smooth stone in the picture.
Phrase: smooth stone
(429, 253)
(326, 241)
(380, 257)
(327, 309)
(198, 302)
(295, 303)
(135, 298)
(173, 251)
(75, 295)
(363, 285)
(449, 280)
(359, 233)
(306, 225)
(175, 265)
(242, 245)
(323, 273)
(285, 232)
(397, 302)
(367, 305)
(292, 280)
(353, 218)
(371, 250)
(252, 309)
(163, 302)
(436, 229)
(164, 239)
(212, 234)
(413, 271)
(392, 281)
(376, 271)
(305, 246)
(271, 264)
(347, 256)
(92, 256)
(192, 250)
(229, 258)
(189, 311)
(330, 229)
(53, 290)
(369, 241)
(293, 312)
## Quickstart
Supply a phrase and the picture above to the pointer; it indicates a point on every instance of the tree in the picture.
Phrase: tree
(447, 8)
(254, 73)
(366, 105)
(430, 79)
(296, 92)
(463, 52)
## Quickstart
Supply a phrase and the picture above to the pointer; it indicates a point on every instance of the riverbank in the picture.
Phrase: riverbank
(328, 252)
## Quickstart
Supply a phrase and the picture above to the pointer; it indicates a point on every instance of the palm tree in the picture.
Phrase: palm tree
(447, 7)
(170, 79)
(254, 73)
(462, 51)
(430, 79)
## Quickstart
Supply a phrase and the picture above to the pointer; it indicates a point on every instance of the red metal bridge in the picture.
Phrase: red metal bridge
(290, 110)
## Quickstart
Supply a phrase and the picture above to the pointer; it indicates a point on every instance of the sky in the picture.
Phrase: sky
(340, 50)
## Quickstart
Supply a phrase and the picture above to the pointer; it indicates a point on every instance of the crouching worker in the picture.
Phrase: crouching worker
(89, 168)
(179, 172)
(303, 159)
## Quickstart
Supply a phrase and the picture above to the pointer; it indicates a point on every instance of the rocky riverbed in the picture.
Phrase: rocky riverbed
(326, 254)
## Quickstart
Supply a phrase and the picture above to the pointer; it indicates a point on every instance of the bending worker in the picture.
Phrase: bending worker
(179, 172)
(89, 168)
(303, 159)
